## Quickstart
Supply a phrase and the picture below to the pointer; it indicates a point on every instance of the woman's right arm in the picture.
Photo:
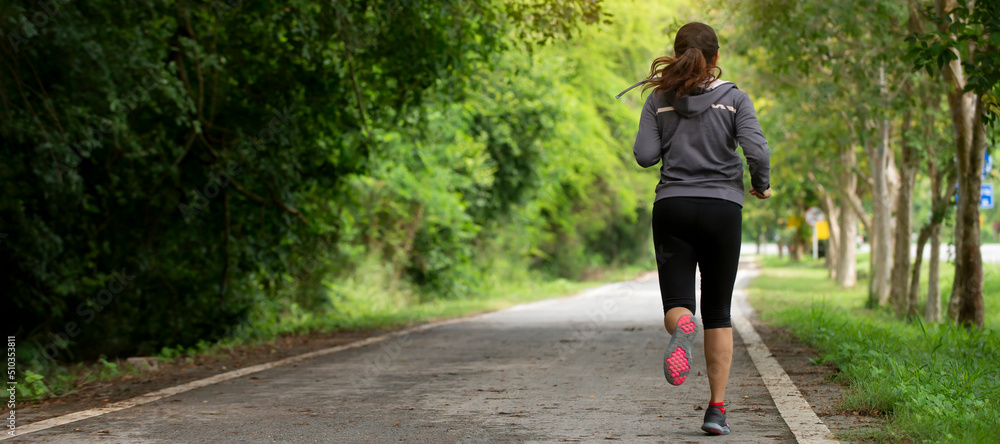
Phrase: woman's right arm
(647, 141)
(751, 138)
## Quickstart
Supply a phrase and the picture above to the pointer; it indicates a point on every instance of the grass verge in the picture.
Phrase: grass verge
(935, 382)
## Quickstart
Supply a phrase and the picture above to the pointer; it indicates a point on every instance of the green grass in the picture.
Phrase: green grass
(935, 383)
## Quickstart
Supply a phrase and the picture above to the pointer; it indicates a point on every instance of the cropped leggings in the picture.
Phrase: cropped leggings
(690, 231)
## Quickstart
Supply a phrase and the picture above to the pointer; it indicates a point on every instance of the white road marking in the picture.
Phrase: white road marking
(794, 409)
(170, 391)
(805, 425)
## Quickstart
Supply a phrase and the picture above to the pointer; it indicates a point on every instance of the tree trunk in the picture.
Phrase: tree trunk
(832, 214)
(899, 292)
(931, 231)
(847, 274)
(942, 185)
(966, 306)
(953, 301)
(797, 246)
(933, 309)
(967, 287)
(881, 235)
(913, 295)
(881, 258)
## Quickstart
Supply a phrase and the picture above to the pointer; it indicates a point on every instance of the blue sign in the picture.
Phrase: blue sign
(987, 165)
(986, 196)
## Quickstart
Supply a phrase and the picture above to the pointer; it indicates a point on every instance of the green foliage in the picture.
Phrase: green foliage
(185, 176)
(971, 31)
(32, 386)
(169, 167)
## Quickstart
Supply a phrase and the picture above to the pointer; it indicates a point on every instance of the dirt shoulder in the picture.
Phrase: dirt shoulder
(817, 383)
(186, 369)
(183, 370)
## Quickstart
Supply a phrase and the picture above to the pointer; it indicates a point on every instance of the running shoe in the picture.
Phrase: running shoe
(715, 420)
(677, 358)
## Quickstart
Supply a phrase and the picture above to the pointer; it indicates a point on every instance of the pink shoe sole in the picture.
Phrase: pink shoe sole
(676, 360)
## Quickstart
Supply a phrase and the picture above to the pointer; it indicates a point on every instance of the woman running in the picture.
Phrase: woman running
(692, 122)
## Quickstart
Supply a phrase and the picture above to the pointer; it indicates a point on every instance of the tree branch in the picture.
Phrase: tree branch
(859, 209)
(249, 194)
(290, 210)
(225, 246)
(262, 201)
(187, 148)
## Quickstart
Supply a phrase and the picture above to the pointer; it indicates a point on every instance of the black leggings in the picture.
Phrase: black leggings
(689, 231)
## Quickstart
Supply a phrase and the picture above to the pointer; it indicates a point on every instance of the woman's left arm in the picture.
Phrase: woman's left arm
(647, 141)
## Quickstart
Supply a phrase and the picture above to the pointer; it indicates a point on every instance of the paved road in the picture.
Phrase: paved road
(991, 252)
(584, 368)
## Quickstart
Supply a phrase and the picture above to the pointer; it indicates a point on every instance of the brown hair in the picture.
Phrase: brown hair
(694, 47)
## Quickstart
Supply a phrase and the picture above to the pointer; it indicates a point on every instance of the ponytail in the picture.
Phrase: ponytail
(682, 74)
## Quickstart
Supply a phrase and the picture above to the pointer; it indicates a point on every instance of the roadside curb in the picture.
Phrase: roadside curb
(793, 407)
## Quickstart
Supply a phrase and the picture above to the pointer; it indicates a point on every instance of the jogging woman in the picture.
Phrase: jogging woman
(692, 122)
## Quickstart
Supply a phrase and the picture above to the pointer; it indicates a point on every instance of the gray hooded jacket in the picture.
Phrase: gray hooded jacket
(696, 137)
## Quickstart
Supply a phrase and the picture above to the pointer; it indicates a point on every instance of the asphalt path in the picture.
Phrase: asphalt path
(583, 368)
(990, 252)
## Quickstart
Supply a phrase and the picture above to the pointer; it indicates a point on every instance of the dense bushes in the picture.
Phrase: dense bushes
(171, 168)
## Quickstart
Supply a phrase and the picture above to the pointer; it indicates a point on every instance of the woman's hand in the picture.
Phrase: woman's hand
(761, 196)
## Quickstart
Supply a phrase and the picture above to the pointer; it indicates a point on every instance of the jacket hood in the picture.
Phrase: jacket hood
(701, 99)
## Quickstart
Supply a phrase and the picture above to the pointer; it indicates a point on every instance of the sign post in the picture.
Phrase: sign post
(814, 215)
(986, 189)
